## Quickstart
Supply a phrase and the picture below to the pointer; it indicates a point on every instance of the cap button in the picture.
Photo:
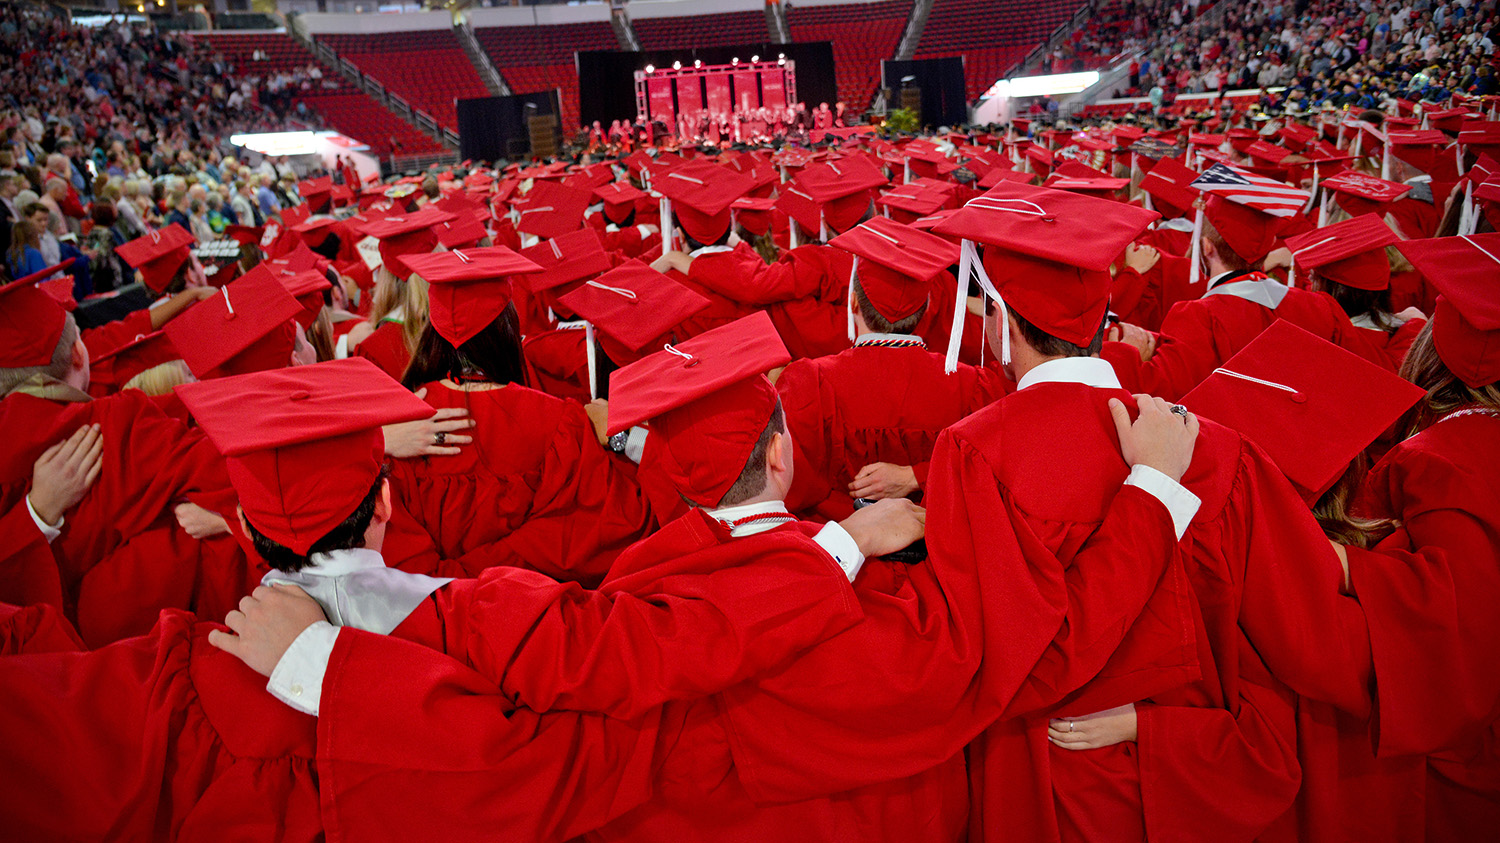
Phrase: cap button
(299, 395)
(691, 363)
(1299, 398)
(1049, 218)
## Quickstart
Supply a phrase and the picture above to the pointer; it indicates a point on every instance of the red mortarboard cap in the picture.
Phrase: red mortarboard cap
(1297, 135)
(1094, 186)
(31, 324)
(299, 259)
(931, 221)
(406, 234)
(316, 192)
(306, 287)
(1267, 152)
(1449, 120)
(295, 215)
(590, 177)
(753, 214)
(701, 194)
(1480, 136)
(460, 233)
(138, 355)
(245, 235)
(563, 260)
(1000, 175)
(708, 401)
(1419, 148)
(551, 210)
(1311, 405)
(1170, 181)
(468, 288)
(633, 303)
(1048, 252)
(1205, 139)
(899, 262)
(619, 200)
(1250, 233)
(1359, 193)
(1466, 323)
(1351, 252)
(302, 445)
(341, 196)
(158, 255)
(243, 329)
(841, 189)
(914, 200)
(462, 206)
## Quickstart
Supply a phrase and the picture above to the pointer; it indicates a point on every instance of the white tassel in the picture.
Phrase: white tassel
(823, 227)
(588, 337)
(668, 230)
(1468, 221)
(1325, 209)
(1385, 159)
(1194, 270)
(960, 304)
(853, 267)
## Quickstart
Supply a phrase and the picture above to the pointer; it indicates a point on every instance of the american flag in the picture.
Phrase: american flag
(1265, 195)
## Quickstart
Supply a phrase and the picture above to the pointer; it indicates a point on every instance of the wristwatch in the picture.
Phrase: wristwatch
(617, 442)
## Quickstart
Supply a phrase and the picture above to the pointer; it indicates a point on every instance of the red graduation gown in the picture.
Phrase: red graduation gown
(1433, 629)
(121, 556)
(804, 292)
(534, 490)
(871, 404)
(1033, 474)
(386, 348)
(1199, 335)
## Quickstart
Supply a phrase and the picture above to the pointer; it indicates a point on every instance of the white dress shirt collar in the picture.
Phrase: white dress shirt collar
(1089, 371)
(730, 514)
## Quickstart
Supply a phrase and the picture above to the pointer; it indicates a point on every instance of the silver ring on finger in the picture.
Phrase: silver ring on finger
(440, 437)
(1071, 725)
(1178, 410)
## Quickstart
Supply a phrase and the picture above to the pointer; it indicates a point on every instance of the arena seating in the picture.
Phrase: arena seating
(862, 35)
(428, 69)
(718, 30)
(537, 58)
(283, 54)
(990, 36)
(345, 107)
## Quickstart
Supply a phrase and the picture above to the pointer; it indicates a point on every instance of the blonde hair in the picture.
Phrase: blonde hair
(409, 296)
(159, 380)
(1445, 391)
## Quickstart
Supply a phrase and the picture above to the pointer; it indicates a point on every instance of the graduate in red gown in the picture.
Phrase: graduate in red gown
(1348, 261)
(193, 745)
(399, 309)
(1433, 647)
(535, 489)
(864, 421)
(880, 713)
(120, 552)
(1240, 302)
(1210, 746)
(1314, 408)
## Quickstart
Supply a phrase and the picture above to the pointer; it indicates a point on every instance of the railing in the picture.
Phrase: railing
(405, 163)
(916, 22)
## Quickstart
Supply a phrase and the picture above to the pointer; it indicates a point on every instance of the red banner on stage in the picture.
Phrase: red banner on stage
(772, 90)
(747, 90)
(720, 100)
(660, 91)
(690, 93)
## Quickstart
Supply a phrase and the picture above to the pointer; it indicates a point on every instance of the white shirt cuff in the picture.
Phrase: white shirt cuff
(842, 547)
(341, 350)
(635, 444)
(298, 677)
(49, 531)
(1180, 503)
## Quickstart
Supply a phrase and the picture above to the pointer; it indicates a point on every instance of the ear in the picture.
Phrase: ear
(383, 503)
(80, 357)
(778, 455)
(239, 514)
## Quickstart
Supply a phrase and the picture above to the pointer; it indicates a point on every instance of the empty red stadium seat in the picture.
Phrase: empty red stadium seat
(428, 69)
(539, 58)
(862, 35)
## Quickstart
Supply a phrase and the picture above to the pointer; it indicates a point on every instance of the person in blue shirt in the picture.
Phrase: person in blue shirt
(25, 255)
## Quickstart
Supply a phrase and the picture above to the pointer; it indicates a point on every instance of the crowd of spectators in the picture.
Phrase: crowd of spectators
(108, 132)
(1347, 53)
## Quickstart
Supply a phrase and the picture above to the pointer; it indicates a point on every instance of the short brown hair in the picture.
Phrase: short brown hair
(752, 480)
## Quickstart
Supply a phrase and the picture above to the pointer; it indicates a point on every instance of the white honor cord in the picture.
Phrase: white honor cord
(849, 310)
(1244, 377)
(593, 357)
(1194, 270)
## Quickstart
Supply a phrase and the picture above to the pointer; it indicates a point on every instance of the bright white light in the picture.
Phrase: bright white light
(650, 68)
(697, 62)
(278, 143)
(676, 65)
(735, 60)
(754, 58)
(1037, 86)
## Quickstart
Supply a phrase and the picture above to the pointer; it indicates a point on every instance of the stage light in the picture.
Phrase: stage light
(676, 65)
(781, 60)
(781, 56)
(735, 60)
(650, 68)
(697, 62)
(754, 59)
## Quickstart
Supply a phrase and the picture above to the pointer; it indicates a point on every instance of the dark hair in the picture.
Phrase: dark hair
(329, 248)
(878, 323)
(492, 355)
(1049, 346)
(349, 534)
(752, 479)
(1356, 302)
(693, 245)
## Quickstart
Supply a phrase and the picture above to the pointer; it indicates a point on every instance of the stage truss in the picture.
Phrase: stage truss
(783, 71)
